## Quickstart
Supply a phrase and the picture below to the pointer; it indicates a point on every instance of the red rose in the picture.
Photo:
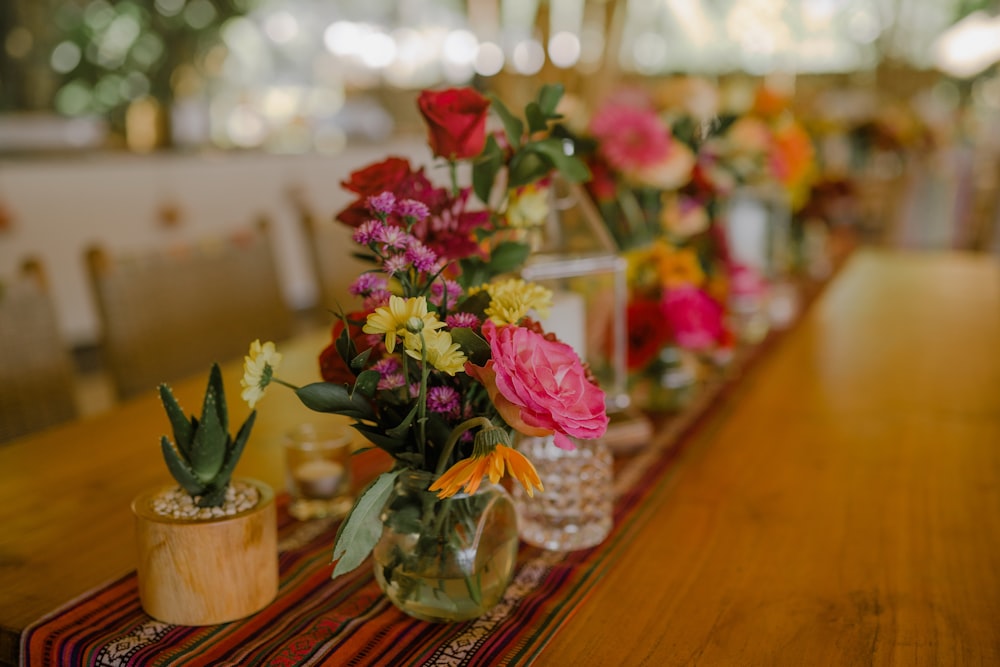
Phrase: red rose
(456, 121)
(331, 366)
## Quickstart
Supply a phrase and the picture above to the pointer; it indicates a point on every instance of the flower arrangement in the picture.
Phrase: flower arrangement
(444, 361)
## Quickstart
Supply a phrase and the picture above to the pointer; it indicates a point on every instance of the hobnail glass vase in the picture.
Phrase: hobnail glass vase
(445, 560)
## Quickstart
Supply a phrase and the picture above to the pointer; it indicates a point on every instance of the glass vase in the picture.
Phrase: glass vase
(445, 560)
(668, 384)
(575, 509)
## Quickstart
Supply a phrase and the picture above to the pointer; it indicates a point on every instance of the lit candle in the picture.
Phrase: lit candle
(567, 320)
(318, 478)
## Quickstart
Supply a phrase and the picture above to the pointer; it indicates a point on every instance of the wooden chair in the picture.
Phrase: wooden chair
(169, 314)
(36, 371)
(329, 247)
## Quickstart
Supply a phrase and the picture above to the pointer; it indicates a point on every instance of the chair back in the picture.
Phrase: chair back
(168, 314)
(37, 387)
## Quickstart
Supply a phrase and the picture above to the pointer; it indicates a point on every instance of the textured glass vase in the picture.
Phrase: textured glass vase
(575, 509)
(445, 560)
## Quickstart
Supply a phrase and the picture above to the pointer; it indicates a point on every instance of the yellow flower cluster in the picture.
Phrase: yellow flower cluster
(666, 266)
(399, 317)
(442, 352)
(511, 300)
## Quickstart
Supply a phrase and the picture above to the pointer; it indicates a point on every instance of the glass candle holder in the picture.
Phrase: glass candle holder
(575, 509)
(318, 471)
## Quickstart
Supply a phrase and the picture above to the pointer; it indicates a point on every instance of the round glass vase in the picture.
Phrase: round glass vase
(445, 560)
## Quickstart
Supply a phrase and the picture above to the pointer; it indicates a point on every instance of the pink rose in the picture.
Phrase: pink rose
(694, 317)
(539, 386)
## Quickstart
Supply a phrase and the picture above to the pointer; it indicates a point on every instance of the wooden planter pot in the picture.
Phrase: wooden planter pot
(208, 571)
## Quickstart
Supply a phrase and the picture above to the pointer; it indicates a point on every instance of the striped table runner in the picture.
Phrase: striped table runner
(348, 621)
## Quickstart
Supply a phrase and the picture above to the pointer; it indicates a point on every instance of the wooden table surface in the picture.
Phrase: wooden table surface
(842, 506)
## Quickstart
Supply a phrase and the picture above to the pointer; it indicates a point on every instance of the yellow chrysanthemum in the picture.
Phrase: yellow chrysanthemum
(511, 300)
(442, 352)
(495, 463)
(677, 267)
(528, 206)
(258, 368)
(395, 319)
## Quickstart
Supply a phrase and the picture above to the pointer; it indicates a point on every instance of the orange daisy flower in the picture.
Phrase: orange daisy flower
(496, 462)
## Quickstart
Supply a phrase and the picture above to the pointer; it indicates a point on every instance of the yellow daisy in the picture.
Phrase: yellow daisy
(442, 352)
(258, 368)
(512, 299)
(395, 319)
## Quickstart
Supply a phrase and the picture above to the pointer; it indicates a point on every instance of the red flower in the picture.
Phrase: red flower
(695, 318)
(647, 332)
(602, 185)
(331, 366)
(456, 121)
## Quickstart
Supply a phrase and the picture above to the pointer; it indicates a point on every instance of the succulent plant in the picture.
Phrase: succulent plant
(203, 456)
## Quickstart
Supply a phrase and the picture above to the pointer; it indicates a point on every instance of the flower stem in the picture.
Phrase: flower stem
(456, 433)
(285, 384)
(453, 171)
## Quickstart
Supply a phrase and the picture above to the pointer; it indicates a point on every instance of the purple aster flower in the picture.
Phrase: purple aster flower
(392, 381)
(423, 258)
(382, 204)
(411, 208)
(443, 400)
(445, 293)
(394, 237)
(367, 283)
(395, 264)
(414, 389)
(387, 366)
(368, 232)
(377, 299)
(462, 320)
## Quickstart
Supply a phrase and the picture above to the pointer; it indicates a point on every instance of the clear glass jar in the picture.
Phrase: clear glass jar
(668, 384)
(575, 509)
(445, 560)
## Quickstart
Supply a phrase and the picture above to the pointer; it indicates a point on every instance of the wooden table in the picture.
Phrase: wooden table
(842, 506)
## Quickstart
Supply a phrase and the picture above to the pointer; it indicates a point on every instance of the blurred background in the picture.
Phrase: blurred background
(134, 124)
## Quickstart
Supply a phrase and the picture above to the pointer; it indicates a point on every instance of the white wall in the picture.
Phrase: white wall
(61, 206)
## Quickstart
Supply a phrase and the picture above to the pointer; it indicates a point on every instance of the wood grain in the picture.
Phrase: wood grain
(843, 507)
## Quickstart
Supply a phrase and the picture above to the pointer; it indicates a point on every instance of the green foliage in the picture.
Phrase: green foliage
(202, 456)
(362, 528)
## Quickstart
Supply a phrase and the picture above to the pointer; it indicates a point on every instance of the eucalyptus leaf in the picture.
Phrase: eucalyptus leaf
(475, 346)
(362, 528)
(367, 383)
(335, 398)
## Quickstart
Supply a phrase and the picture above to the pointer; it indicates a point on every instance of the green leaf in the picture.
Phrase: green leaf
(362, 528)
(511, 124)
(476, 304)
(344, 344)
(401, 429)
(526, 167)
(572, 168)
(234, 450)
(548, 98)
(215, 384)
(475, 346)
(484, 172)
(208, 450)
(537, 122)
(367, 383)
(179, 422)
(508, 256)
(380, 439)
(179, 468)
(335, 398)
(214, 495)
(358, 362)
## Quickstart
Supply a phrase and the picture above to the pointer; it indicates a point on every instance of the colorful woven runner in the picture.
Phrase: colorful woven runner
(348, 621)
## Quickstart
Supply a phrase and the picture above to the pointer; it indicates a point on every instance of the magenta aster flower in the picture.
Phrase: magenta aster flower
(395, 264)
(391, 381)
(368, 232)
(377, 299)
(367, 283)
(421, 257)
(394, 237)
(387, 366)
(382, 204)
(462, 320)
(411, 208)
(445, 293)
(443, 400)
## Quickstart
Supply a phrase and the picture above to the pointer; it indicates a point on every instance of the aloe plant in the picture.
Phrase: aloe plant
(203, 456)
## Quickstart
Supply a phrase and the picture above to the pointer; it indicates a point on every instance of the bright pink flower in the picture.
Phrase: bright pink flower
(630, 137)
(694, 318)
(539, 386)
